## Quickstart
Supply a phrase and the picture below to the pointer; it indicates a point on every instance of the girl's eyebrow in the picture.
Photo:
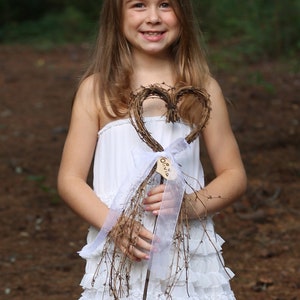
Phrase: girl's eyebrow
(128, 1)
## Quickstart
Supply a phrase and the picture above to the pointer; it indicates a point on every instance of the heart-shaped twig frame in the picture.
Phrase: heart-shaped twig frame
(172, 98)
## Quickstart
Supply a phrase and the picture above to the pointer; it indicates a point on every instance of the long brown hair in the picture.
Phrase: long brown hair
(111, 60)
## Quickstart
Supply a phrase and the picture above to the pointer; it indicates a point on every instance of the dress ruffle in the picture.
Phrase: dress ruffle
(208, 278)
(137, 295)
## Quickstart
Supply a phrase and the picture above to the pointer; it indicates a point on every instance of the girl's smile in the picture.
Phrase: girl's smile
(153, 36)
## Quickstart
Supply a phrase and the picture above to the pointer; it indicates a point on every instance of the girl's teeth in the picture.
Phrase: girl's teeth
(152, 33)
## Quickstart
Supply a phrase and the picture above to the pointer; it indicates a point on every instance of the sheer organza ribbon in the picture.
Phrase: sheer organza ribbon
(168, 213)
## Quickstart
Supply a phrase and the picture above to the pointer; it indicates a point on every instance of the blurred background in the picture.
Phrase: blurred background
(254, 28)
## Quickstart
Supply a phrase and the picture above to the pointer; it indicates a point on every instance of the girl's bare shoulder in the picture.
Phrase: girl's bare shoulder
(212, 87)
(86, 92)
(87, 96)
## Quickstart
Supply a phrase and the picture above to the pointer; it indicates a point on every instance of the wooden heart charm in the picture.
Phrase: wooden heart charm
(172, 98)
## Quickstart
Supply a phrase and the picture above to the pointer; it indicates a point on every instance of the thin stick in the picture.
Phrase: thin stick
(148, 270)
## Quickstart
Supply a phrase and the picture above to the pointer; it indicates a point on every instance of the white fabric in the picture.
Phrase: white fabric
(208, 279)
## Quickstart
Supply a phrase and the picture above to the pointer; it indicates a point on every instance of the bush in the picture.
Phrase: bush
(258, 28)
(69, 25)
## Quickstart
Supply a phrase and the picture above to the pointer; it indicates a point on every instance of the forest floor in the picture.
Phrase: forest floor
(40, 236)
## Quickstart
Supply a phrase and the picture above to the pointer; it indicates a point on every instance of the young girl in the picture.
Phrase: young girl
(147, 54)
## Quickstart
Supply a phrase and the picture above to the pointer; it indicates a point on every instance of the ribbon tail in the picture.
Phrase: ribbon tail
(121, 199)
(165, 227)
(90, 250)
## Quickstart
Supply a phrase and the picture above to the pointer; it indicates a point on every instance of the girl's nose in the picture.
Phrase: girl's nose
(153, 15)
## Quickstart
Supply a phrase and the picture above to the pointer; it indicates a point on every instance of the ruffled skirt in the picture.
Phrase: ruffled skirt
(206, 277)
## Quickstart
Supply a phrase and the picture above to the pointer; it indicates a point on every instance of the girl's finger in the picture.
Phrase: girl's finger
(156, 190)
(128, 251)
(157, 198)
(152, 207)
(153, 203)
(153, 198)
(146, 234)
(138, 253)
(133, 252)
(143, 245)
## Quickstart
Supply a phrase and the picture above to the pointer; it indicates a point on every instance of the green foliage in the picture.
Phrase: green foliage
(68, 25)
(255, 28)
(252, 29)
(50, 23)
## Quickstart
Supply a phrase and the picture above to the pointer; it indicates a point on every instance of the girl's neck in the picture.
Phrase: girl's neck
(152, 69)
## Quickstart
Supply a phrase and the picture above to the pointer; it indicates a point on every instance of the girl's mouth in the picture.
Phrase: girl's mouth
(153, 33)
(153, 36)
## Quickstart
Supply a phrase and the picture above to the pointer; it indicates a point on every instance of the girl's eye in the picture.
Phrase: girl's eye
(141, 4)
(165, 4)
(138, 5)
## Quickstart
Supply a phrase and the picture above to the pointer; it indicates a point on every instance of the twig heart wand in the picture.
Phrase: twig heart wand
(165, 164)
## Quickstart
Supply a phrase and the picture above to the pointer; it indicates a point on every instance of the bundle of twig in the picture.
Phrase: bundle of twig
(132, 215)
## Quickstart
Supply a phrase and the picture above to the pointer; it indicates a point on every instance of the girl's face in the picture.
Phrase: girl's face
(150, 26)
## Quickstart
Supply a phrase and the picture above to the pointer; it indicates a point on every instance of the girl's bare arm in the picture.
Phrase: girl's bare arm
(77, 157)
(230, 181)
(75, 164)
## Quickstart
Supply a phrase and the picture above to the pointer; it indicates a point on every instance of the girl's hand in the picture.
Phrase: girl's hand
(153, 200)
(132, 238)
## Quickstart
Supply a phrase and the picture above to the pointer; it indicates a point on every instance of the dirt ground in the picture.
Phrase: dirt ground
(40, 235)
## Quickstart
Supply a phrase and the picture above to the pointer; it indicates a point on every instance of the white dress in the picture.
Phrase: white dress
(208, 278)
